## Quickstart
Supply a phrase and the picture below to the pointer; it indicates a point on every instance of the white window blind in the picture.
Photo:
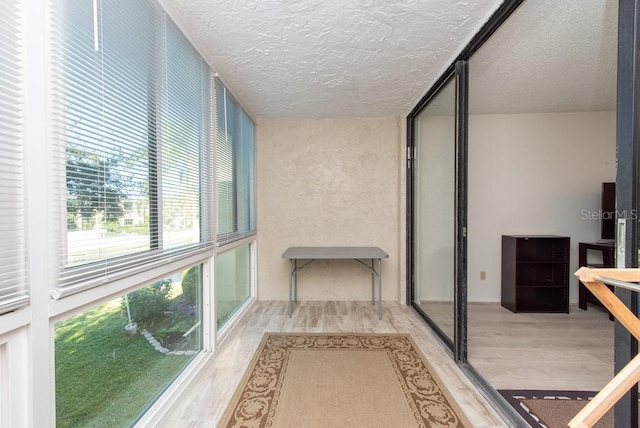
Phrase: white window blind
(133, 119)
(187, 150)
(13, 278)
(235, 178)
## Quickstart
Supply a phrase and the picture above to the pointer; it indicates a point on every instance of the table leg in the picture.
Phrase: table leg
(295, 280)
(380, 289)
(373, 282)
(291, 270)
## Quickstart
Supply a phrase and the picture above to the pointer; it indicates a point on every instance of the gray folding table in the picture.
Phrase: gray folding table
(309, 254)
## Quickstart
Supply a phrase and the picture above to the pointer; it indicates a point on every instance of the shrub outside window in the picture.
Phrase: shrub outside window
(113, 361)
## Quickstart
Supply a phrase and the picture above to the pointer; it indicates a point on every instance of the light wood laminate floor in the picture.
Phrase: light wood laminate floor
(553, 351)
(571, 351)
(207, 396)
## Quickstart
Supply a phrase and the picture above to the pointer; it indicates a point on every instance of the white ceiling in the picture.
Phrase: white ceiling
(377, 58)
(549, 56)
(330, 58)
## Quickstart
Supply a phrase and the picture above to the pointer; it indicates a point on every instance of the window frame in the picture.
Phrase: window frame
(237, 150)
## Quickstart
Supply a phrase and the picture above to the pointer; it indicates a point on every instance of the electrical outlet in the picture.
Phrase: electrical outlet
(483, 275)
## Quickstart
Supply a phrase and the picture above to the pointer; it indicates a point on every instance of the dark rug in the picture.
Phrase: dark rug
(552, 409)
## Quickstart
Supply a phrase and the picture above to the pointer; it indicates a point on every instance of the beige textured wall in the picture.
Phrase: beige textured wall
(324, 183)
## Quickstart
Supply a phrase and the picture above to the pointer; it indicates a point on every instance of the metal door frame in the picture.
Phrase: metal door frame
(627, 188)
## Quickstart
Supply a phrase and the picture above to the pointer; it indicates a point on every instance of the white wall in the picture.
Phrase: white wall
(534, 174)
(323, 183)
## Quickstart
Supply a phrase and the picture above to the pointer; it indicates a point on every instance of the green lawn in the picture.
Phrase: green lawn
(103, 377)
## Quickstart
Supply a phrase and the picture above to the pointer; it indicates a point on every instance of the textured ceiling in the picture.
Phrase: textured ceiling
(330, 58)
(549, 56)
(377, 58)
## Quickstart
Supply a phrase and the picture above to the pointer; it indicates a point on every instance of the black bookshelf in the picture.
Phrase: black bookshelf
(535, 273)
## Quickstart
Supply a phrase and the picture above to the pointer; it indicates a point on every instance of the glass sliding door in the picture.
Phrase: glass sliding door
(434, 210)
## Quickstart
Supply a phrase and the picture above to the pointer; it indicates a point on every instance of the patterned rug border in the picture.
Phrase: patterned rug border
(229, 412)
(514, 397)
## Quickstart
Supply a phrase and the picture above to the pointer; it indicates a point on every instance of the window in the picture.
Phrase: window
(109, 127)
(236, 216)
(235, 168)
(132, 106)
(133, 113)
(13, 277)
(113, 361)
(233, 282)
(186, 149)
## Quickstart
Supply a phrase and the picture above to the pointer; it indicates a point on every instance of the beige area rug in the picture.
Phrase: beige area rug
(340, 380)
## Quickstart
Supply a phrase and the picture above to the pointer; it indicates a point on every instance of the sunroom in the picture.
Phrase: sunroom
(159, 157)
